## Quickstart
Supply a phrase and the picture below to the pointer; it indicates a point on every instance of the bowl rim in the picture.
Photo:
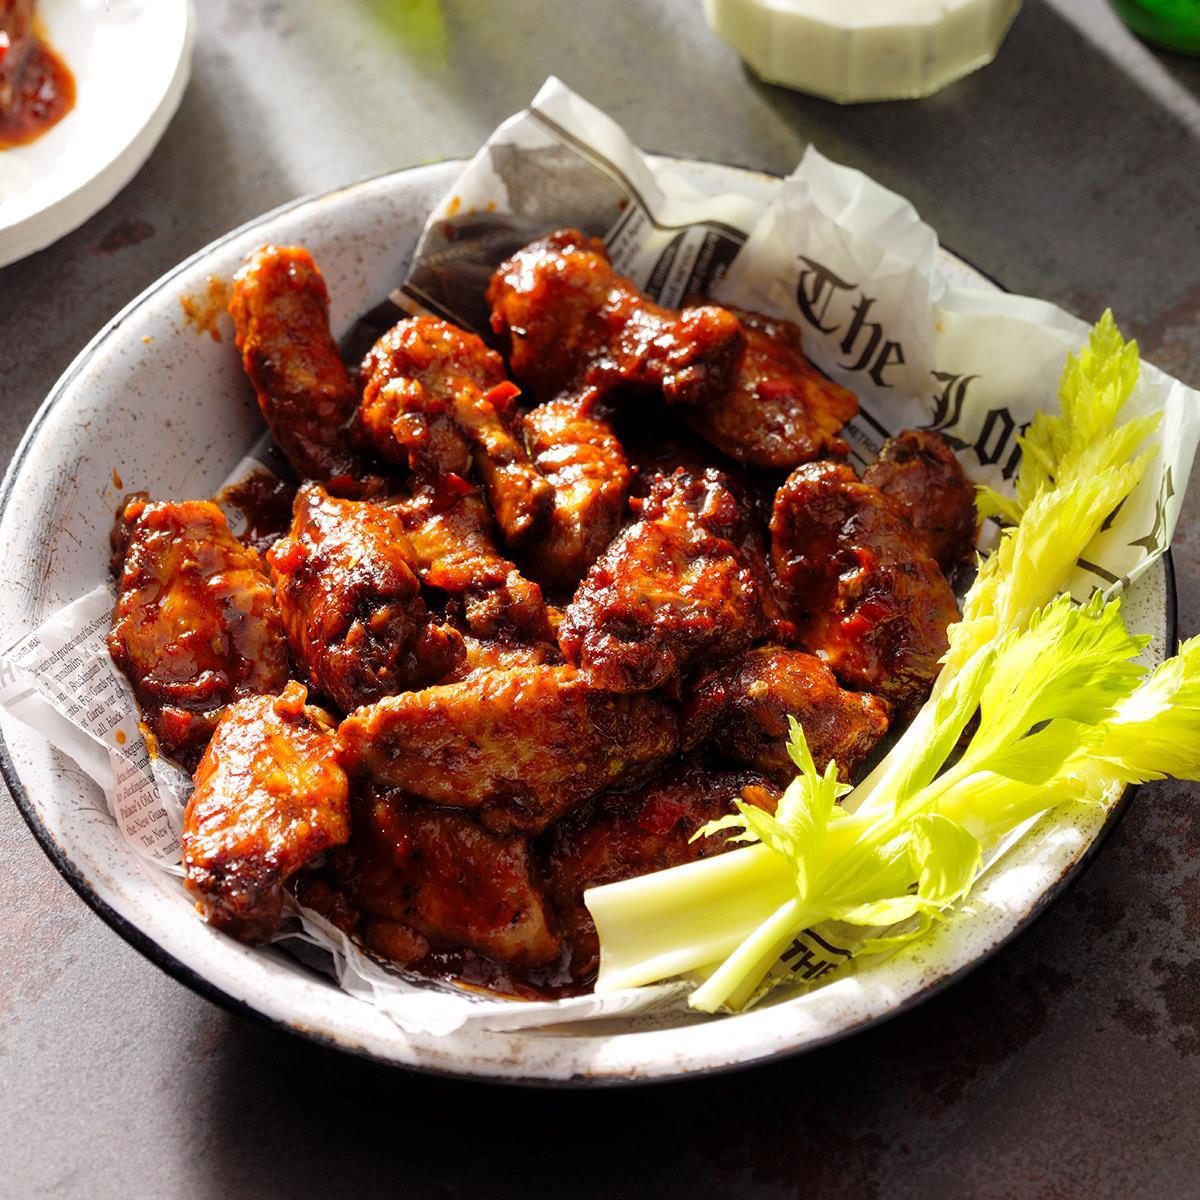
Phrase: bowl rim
(145, 945)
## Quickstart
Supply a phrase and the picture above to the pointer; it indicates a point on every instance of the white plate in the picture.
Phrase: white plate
(167, 409)
(131, 60)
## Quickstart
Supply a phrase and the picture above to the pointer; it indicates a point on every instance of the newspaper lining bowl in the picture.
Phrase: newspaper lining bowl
(154, 403)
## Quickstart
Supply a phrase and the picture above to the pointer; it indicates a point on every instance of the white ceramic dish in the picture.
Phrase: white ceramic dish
(131, 60)
(167, 409)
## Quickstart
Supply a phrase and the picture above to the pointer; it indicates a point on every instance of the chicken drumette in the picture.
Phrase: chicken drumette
(269, 797)
(674, 588)
(918, 470)
(573, 446)
(857, 580)
(781, 411)
(741, 709)
(569, 323)
(195, 624)
(280, 309)
(450, 531)
(435, 398)
(523, 746)
(433, 878)
(351, 604)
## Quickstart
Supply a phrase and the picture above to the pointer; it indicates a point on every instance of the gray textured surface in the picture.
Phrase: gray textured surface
(1069, 1065)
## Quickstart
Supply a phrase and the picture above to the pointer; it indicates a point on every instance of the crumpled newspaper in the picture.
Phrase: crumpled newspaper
(849, 261)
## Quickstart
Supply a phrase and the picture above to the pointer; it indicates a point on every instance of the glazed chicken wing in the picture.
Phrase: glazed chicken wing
(781, 411)
(351, 605)
(431, 878)
(280, 308)
(449, 529)
(522, 746)
(569, 323)
(623, 836)
(269, 798)
(918, 470)
(742, 707)
(855, 576)
(195, 624)
(435, 398)
(672, 589)
(574, 448)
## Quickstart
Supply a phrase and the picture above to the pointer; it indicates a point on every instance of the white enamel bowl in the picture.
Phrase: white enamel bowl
(167, 409)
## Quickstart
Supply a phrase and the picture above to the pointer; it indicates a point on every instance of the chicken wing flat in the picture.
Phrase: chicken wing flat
(502, 656)
(433, 878)
(435, 398)
(195, 625)
(351, 604)
(269, 798)
(575, 450)
(623, 836)
(672, 589)
(280, 309)
(569, 323)
(742, 710)
(781, 411)
(450, 531)
(857, 580)
(918, 470)
(522, 746)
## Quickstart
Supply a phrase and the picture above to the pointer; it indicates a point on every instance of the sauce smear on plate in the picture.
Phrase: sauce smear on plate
(37, 88)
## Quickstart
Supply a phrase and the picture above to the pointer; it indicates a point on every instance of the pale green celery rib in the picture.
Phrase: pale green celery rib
(702, 912)
(736, 979)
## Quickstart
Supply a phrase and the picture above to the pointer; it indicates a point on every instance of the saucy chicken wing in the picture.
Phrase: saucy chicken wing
(195, 624)
(569, 323)
(449, 529)
(433, 878)
(622, 836)
(856, 578)
(280, 309)
(351, 605)
(269, 798)
(577, 453)
(781, 411)
(918, 470)
(672, 589)
(741, 709)
(522, 746)
(435, 398)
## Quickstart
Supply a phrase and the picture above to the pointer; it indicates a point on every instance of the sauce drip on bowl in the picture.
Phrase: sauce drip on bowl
(37, 88)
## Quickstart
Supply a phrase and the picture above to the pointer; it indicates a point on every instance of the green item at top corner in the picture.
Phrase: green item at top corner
(1172, 24)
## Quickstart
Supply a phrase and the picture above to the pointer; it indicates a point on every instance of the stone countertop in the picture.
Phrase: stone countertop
(1067, 1065)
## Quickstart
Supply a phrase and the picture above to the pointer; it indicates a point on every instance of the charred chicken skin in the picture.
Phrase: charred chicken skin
(622, 836)
(269, 797)
(569, 323)
(781, 411)
(856, 578)
(671, 590)
(280, 309)
(576, 451)
(918, 470)
(522, 746)
(195, 626)
(433, 878)
(351, 605)
(741, 709)
(435, 398)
